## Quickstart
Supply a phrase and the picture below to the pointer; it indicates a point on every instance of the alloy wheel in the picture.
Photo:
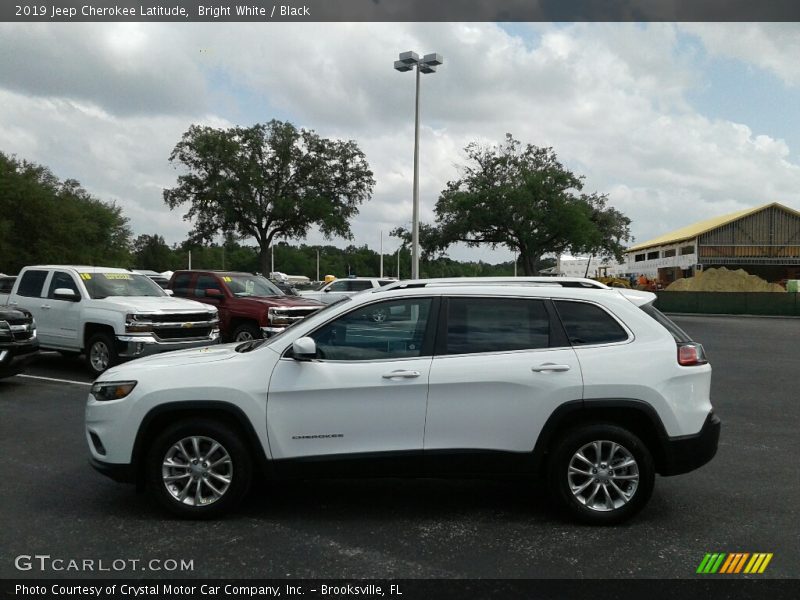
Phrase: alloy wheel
(197, 471)
(603, 475)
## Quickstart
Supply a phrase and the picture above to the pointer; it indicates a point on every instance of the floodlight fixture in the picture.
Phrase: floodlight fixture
(408, 60)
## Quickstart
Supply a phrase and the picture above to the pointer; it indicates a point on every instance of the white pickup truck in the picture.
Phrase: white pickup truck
(109, 314)
(343, 288)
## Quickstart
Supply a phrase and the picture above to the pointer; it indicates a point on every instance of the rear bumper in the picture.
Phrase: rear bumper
(690, 452)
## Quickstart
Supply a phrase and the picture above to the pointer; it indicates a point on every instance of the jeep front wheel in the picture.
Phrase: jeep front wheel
(602, 474)
(198, 468)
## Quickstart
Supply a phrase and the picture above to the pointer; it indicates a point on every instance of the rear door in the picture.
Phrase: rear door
(60, 320)
(502, 365)
(28, 295)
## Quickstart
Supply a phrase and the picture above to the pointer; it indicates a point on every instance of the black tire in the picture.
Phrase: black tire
(635, 494)
(101, 353)
(238, 469)
(246, 332)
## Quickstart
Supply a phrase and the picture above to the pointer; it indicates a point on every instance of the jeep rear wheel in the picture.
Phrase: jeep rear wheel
(198, 469)
(602, 474)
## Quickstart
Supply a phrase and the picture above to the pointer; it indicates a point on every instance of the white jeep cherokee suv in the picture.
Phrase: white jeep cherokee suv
(592, 387)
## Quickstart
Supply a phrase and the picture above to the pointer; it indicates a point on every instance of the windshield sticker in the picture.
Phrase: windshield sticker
(85, 276)
(117, 276)
(227, 279)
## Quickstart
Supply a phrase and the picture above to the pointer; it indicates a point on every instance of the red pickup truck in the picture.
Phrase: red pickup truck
(250, 306)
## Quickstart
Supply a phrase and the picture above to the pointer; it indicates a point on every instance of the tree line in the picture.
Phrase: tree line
(274, 182)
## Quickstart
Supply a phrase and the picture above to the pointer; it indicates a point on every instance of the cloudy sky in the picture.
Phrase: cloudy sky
(675, 122)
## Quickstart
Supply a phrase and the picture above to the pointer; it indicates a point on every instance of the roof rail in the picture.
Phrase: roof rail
(572, 282)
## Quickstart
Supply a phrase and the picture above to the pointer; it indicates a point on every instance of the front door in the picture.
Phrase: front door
(365, 393)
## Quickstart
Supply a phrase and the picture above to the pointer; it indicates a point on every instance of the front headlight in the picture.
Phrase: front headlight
(138, 323)
(112, 390)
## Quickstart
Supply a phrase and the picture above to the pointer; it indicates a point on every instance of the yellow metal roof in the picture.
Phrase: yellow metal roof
(692, 231)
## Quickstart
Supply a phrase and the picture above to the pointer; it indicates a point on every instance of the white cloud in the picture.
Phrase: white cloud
(770, 46)
(610, 98)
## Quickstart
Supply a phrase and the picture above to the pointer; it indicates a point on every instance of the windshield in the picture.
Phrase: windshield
(103, 285)
(251, 285)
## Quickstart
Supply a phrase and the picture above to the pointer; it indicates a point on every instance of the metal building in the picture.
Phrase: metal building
(764, 241)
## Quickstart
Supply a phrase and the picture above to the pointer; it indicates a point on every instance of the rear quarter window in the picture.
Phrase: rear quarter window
(679, 334)
(587, 324)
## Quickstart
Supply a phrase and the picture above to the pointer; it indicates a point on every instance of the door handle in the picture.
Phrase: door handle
(45, 306)
(401, 375)
(550, 367)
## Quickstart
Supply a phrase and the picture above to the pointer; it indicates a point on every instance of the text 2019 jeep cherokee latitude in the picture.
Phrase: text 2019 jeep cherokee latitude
(592, 387)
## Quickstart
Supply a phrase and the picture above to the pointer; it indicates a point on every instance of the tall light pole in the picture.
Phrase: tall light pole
(427, 64)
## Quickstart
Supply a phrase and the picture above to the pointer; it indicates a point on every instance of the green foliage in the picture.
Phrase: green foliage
(526, 200)
(152, 252)
(268, 181)
(44, 220)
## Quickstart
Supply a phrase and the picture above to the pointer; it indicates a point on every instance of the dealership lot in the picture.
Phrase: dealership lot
(743, 501)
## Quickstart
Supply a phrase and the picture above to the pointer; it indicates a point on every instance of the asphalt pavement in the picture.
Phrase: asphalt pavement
(745, 500)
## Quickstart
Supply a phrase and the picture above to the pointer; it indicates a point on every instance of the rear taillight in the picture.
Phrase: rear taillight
(691, 354)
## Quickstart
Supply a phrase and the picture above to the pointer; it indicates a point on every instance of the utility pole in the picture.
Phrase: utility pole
(381, 254)
(398, 263)
(317, 264)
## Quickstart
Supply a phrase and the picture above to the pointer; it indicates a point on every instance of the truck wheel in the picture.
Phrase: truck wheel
(601, 474)
(246, 332)
(198, 468)
(101, 354)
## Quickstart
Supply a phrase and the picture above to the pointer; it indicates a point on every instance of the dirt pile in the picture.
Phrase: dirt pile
(723, 280)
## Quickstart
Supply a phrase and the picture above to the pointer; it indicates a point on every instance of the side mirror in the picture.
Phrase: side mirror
(169, 292)
(327, 290)
(304, 348)
(66, 294)
(213, 293)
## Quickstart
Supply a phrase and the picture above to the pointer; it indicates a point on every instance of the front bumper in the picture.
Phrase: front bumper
(689, 452)
(15, 357)
(137, 346)
(120, 473)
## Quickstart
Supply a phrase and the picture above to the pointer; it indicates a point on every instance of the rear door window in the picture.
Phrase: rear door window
(32, 283)
(181, 285)
(587, 323)
(496, 325)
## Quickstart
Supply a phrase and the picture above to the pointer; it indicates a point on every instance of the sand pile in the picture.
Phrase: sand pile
(723, 280)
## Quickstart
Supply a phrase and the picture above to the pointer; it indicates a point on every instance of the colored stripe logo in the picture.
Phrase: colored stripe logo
(734, 562)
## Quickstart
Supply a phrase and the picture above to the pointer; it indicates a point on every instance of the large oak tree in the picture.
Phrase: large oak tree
(523, 198)
(268, 181)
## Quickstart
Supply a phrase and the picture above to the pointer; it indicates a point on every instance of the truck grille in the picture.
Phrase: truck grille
(21, 329)
(184, 317)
